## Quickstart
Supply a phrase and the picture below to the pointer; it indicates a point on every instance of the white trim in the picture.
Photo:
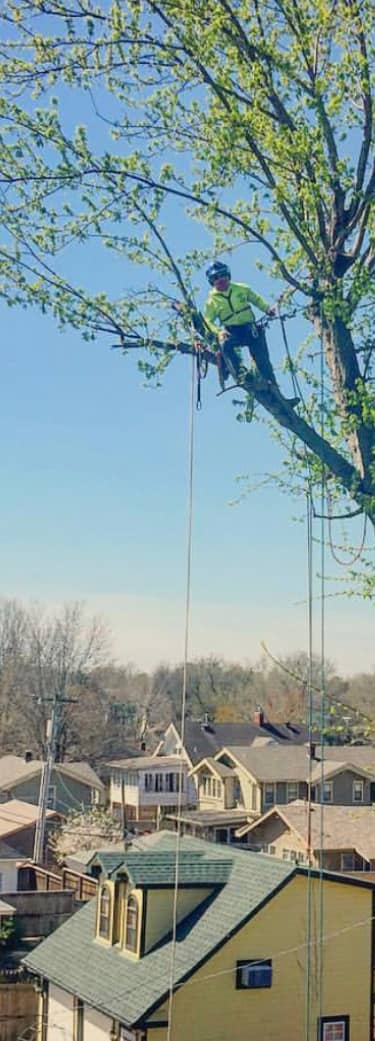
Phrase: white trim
(355, 801)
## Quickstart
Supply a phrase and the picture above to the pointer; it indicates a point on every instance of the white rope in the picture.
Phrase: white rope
(184, 689)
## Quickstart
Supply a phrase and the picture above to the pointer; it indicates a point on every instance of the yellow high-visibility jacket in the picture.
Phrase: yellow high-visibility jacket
(232, 307)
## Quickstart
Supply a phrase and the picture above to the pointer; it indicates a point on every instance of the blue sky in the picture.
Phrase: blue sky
(94, 491)
(94, 494)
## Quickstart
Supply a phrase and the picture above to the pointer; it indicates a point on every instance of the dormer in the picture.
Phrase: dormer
(135, 904)
(215, 784)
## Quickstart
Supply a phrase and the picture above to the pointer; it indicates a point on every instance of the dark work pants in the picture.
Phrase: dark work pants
(250, 336)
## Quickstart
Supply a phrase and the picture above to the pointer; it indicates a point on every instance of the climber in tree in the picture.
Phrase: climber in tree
(229, 306)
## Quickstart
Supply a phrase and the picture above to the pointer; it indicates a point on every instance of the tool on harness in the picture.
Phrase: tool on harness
(202, 369)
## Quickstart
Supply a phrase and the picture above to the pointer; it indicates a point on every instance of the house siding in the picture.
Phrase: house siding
(60, 1014)
(70, 793)
(8, 876)
(273, 832)
(210, 1006)
(342, 789)
(160, 910)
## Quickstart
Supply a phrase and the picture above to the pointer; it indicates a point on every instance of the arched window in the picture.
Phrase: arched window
(131, 928)
(105, 913)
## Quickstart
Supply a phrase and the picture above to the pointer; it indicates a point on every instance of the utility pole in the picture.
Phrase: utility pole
(52, 733)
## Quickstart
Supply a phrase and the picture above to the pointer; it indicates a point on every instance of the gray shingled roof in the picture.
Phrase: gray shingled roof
(273, 763)
(14, 770)
(128, 989)
(203, 739)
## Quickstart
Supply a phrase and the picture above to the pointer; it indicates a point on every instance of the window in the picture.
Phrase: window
(291, 791)
(159, 782)
(105, 913)
(254, 973)
(333, 1028)
(348, 862)
(51, 797)
(219, 789)
(269, 794)
(272, 850)
(327, 791)
(149, 782)
(358, 791)
(78, 1019)
(290, 854)
(131, 931)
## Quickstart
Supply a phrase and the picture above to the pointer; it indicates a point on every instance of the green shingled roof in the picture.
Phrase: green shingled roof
(127, 989)
(159, 868)
(109, 861)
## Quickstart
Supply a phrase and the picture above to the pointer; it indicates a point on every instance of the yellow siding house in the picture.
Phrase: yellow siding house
(264, 950)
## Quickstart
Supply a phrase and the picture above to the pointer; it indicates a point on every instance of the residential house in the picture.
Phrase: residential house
(72, 785)
(272, 775)
(144, 788)
(239, 784)
(243, 961)
(267, 774)
(17, 825)
(205, 738)
(341, 838)
(9, 861)
(221, 811)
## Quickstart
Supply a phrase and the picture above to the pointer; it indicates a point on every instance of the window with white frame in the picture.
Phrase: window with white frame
(131, 926)
(358, 788)
(333, 1028)
(327, 791)
(269, 794)
(254, 974)
(149, 782)
(291, 791)
(105, 913)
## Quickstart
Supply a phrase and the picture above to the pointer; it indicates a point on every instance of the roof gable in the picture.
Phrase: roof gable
(72, 959)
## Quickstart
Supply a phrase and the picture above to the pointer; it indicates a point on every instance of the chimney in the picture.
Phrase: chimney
(258, 716)
(28, 756)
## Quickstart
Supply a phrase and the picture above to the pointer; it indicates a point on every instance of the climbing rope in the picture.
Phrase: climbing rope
(184, 690)
(357, 551)
(309, 713)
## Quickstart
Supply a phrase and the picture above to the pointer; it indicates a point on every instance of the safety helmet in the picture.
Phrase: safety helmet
(217, 270)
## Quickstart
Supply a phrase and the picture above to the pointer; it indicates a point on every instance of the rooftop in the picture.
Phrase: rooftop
(344, 827)
(127, 989)
(14, 769)
(16, 814)
(204, 739)
(148, 762)
(205, 818)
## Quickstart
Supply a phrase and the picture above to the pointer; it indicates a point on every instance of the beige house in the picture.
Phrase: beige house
(147, 787)
(342, 838)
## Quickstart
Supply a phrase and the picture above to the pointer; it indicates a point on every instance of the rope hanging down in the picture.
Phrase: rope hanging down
(184, 691)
